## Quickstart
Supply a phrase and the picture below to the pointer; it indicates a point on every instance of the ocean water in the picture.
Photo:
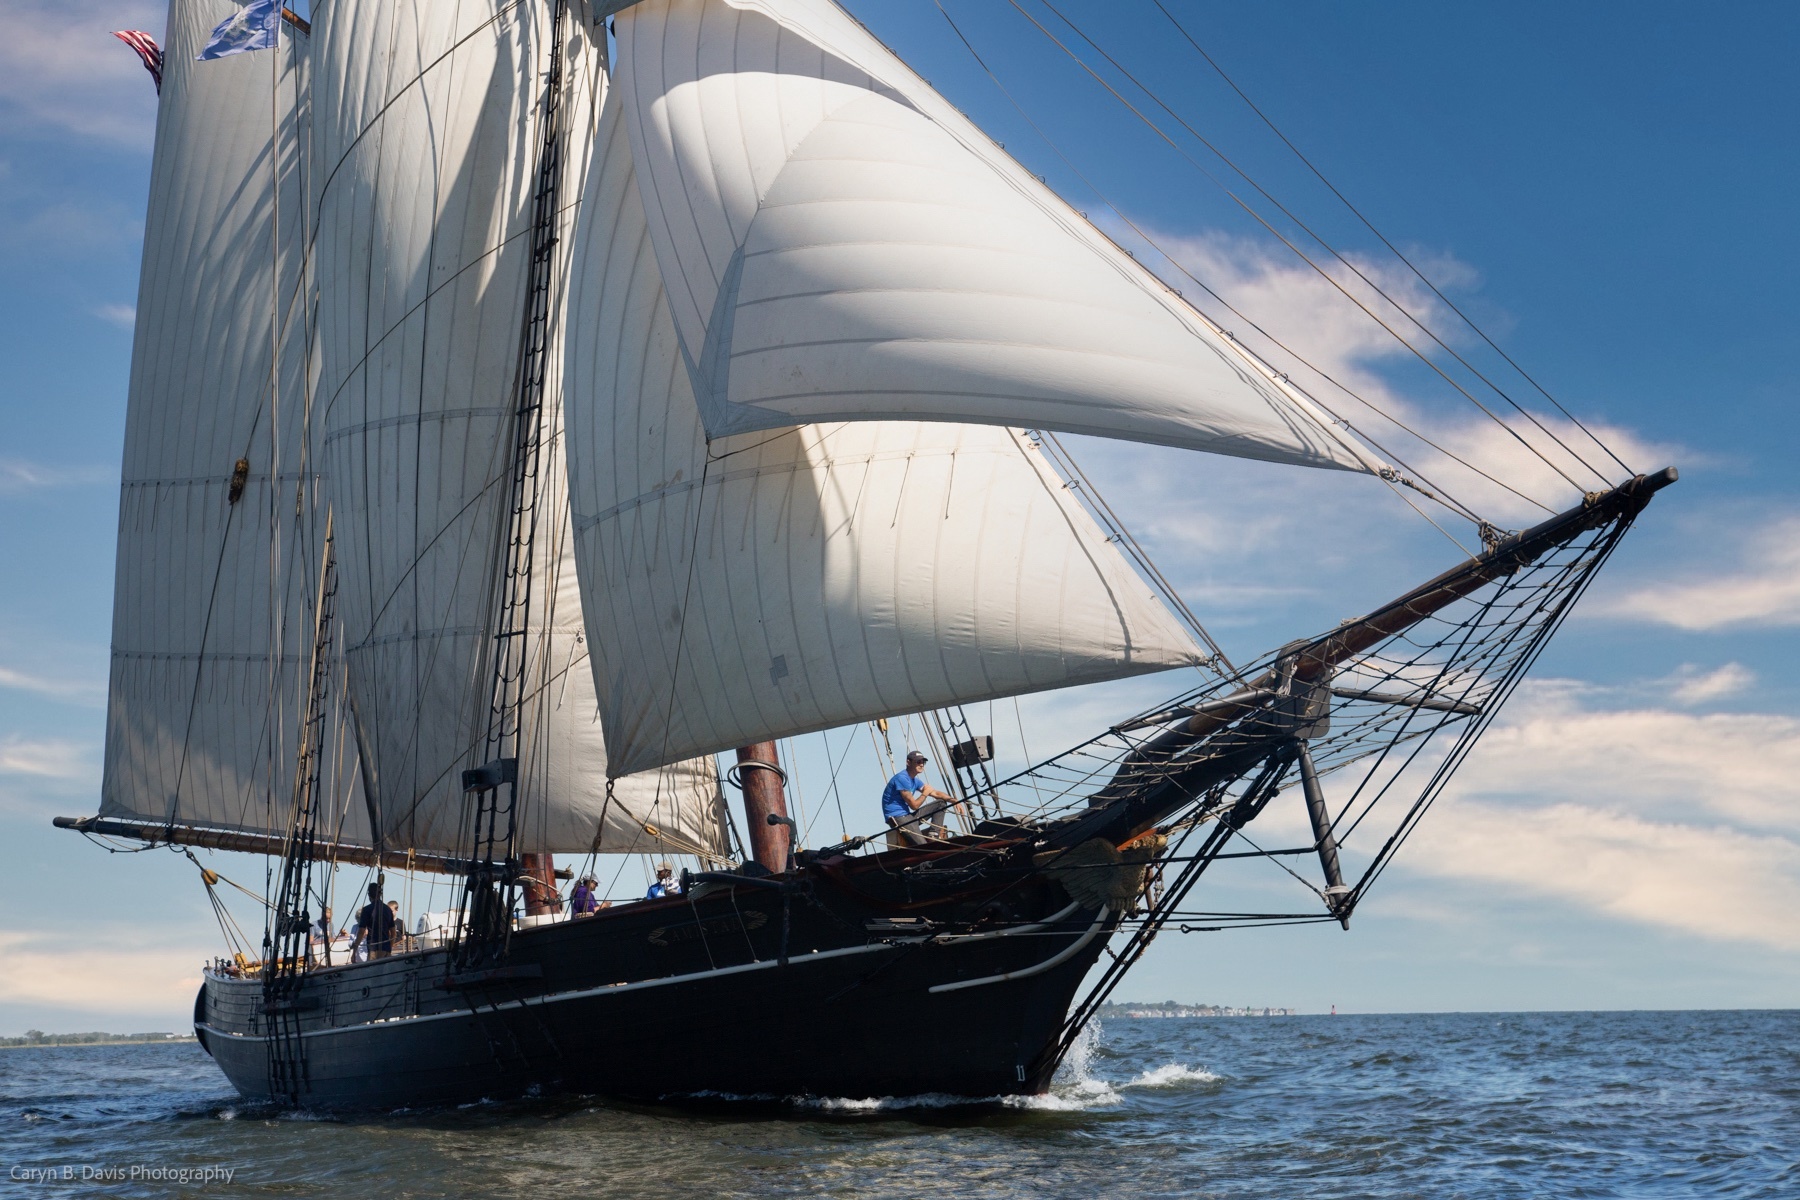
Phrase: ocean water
(1555, 1105)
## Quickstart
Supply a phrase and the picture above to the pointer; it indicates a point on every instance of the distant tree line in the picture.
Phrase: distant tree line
(1173, 1008)
(37, 1037)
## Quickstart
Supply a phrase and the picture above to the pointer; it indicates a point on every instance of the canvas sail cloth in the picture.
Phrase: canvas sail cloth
(213, 604)
(839, 243)
(425, 141)
(783, 582)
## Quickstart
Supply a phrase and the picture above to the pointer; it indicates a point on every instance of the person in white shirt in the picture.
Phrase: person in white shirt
(319, 941)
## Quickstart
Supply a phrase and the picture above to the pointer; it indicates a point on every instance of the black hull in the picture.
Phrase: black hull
(691, 997)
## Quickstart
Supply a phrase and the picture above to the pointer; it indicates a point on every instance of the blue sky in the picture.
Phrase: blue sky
(1608, 189)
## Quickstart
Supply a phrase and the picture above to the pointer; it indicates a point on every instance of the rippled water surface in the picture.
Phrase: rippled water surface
(1439, 1106)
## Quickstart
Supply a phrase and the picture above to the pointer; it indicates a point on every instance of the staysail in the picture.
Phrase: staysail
(777, 583)
(840, 244)
(423, 134)
(219, 515)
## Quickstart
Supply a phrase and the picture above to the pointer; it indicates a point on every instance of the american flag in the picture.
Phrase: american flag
(147, 49)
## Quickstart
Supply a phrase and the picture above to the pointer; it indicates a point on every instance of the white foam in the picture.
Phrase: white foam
(887, 1103)
(1172, 1075)
(1074, 1089)
(1070, 1096)
(1077, 1064)
(1081, 1095)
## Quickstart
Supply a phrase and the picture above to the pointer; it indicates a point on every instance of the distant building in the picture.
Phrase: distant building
(1169, 1008)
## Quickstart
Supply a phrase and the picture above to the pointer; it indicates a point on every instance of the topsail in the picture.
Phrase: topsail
(840, 244)
(770, 584)
(424, 237)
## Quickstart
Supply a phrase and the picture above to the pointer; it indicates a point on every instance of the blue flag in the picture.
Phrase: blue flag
(252, 27)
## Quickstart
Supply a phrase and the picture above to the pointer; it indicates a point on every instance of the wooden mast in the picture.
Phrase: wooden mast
(760, 775)
(538, 874)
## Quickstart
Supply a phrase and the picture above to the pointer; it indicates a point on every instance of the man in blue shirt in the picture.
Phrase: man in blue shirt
(904, 804)
(665, 884)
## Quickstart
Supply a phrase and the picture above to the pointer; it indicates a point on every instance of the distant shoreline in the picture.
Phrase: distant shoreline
(59, 1041)
(1170, 1008)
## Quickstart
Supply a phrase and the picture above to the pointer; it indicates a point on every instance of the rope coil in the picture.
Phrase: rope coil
(735, 775)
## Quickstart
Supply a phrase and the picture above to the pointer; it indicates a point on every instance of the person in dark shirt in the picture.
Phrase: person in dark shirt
(582, 902)
(375, 923)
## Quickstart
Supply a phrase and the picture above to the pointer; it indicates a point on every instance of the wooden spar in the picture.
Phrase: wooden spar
(759, 774)
(538, 874)
(1324, 841)
(1312, 663)
(1322, 656)
(258, 843)
(1317, 659)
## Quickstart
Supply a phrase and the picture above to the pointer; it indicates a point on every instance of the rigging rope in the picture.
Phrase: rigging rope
(1395, 250)
(1445, 498)
(1301, 254)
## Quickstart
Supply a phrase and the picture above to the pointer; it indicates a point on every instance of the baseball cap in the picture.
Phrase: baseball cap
(913, 756)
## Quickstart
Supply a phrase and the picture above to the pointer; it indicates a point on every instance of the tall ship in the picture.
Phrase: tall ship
(544, 414)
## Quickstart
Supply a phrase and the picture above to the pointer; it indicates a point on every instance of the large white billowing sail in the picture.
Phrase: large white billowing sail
(214, 593)
(839, 243)
(425, 143)
(777, 583)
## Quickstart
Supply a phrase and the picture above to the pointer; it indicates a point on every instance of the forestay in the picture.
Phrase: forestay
(213, 601)
(785, 582)
(839, 243)
(424, 143)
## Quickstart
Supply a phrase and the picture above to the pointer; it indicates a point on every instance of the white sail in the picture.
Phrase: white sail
(779, 583)
(425, 143)
(841, 244)
(213, 603)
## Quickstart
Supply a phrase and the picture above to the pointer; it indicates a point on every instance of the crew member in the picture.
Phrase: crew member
(402, 942)
(375, 925)
(582, 902)
(908, 802)
(665, 884)
(320, 938)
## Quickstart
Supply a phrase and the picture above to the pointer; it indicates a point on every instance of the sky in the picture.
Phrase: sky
(1606, 189)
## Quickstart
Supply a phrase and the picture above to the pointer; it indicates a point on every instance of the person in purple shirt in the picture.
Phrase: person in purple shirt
(908, 801)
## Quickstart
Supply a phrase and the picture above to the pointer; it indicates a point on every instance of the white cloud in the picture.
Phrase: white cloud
(1337, 341)
(1691, 685)
(1712, 881)
(75, 690)
(1680, 820)
(1762, 590)
(17, 475)
(1538, 470)
(46, 758)
(62, 71)
(122, 315)
(1556, 743)
(97, 972)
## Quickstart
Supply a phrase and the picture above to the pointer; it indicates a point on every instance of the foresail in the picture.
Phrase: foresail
(799, 580)
(425, 145)
(840, 244)
(217, 565)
